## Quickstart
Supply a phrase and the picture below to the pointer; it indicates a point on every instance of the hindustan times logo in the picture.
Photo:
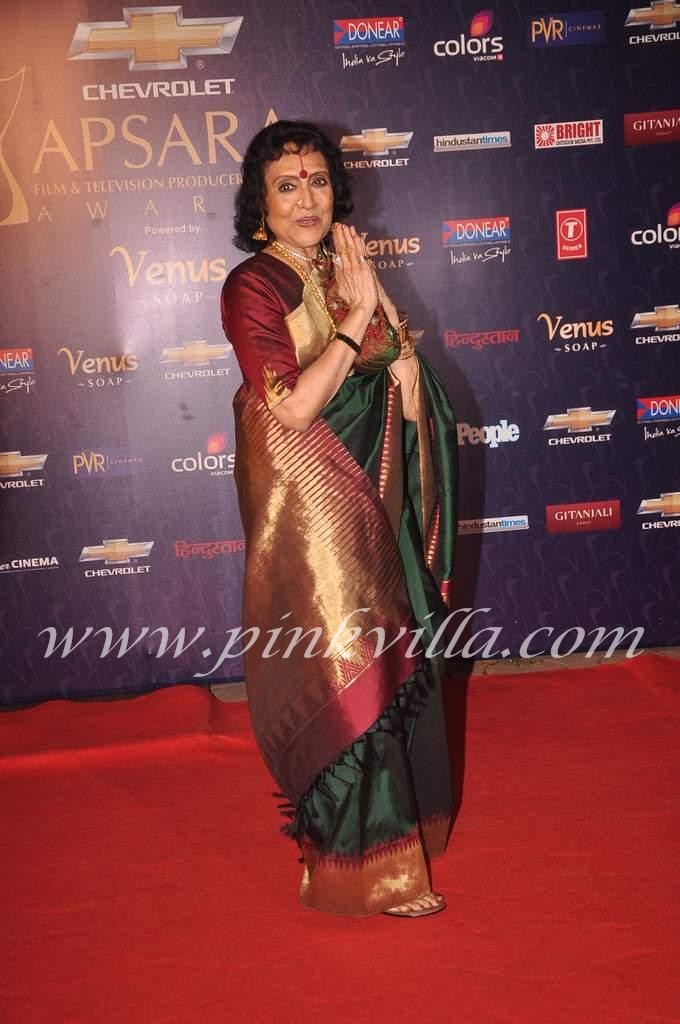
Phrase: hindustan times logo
(477, 140)
(502, 524)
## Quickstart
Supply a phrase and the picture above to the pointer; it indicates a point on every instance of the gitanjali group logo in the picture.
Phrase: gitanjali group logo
(659, 235)
(651, 128)
(583, 516)
(478, 44)
(153, 38)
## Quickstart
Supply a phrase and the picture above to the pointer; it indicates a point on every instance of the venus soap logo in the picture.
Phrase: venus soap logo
(99, 371)
(478, 43)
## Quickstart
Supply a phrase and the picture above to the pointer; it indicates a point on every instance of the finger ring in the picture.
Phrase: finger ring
(337, 260)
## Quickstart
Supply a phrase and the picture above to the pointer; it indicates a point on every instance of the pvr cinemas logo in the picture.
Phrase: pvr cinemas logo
(117, 557)
(101, 463)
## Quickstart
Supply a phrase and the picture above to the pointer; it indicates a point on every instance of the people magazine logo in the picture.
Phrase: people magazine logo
(500, 524)
(583, 516)
(491, 436)
(478, 43)
(651, 128)
(120, 558)
(377, 144)
(571, 228)
(580, 424)
(17, 370)
(17, 471)
(215, 460)
(477, 239)
(571, 29)
(475, 140)
(155, 39)
(577, 335)
(104, 463)
(557, 134)
(667, 506)
(387, 36)
(477, 340)
(654, 414)
(194, 360)
(661, 234)
(656, 22)
(664, 321)
(208, 549)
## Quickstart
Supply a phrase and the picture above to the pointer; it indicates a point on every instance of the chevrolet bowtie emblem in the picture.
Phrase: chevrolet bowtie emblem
(578, 420)
(116, 552)
(375, 141)
(663, 318)
(659, 14)
(195, 353)
(153, 37)
(16, 464)
(667, 504)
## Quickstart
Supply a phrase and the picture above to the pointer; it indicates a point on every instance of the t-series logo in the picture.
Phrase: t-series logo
(478, 44)
(368, 32)
(567, 29)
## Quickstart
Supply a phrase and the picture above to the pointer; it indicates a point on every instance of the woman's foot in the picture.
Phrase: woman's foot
(430, 903)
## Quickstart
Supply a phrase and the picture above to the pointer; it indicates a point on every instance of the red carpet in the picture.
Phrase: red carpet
(144, 881)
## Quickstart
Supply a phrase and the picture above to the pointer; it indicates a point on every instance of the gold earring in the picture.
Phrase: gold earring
(261, 234)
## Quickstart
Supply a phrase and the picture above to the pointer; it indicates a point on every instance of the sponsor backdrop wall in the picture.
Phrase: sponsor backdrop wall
(517, 177)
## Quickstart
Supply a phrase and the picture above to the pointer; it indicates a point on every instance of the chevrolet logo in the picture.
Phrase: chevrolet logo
(16, 464)
(578, 420)
(195, 353)
(375, 141)
(667, 504)
(663, 318)
(116, 552)
(153, 37)
(659, 14)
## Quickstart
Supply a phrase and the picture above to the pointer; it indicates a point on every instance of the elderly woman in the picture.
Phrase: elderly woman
(345, 447)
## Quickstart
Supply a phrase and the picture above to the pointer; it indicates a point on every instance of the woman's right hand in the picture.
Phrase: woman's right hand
(354, 277)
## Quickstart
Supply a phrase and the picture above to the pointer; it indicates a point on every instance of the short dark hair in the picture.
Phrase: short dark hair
(268, 145)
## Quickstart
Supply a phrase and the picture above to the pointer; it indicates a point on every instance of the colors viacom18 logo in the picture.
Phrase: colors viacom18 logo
(478, 43)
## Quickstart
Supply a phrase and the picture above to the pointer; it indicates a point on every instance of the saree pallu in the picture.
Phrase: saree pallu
(349, 531)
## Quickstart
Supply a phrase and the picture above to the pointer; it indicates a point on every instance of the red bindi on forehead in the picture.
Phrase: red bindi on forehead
(304, 173)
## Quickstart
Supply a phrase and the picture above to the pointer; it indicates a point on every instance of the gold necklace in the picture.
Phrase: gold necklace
(292, 259)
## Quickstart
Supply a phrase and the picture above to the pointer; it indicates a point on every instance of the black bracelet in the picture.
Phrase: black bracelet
(348, 341)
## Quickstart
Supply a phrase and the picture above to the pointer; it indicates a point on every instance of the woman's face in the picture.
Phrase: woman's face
(299, 210)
